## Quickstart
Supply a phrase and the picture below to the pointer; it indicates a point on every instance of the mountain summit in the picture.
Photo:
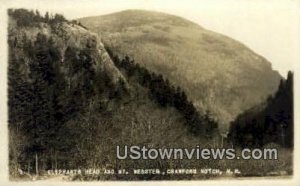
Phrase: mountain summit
(218, 73)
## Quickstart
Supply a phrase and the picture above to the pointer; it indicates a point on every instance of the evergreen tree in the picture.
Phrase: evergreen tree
(271, 123)
(47, 17)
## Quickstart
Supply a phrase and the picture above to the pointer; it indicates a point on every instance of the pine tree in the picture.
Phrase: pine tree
(47, 17)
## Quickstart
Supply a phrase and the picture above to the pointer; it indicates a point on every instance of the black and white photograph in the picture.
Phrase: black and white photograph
(147, 90)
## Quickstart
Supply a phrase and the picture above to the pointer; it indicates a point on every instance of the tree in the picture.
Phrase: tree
(162, 91)
(270, 122)
(47, 17)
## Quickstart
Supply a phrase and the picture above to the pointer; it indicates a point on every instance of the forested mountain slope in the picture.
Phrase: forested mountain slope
(217, 73)
(70, 104)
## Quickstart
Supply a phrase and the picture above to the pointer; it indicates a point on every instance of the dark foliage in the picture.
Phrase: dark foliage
(76, 22)
(272, 123)
(166, 94)
(26, 18)
(52, 93)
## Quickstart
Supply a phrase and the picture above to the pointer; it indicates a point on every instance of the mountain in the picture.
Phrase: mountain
(72, 99)
(63, 36)
(67, 96)
(218, 73)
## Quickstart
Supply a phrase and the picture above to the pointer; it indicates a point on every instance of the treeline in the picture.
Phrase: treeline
(269, 123)
(26, 18)
(166, 94)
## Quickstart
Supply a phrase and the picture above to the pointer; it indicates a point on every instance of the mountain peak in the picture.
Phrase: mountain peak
(138, 18)
(218, 73)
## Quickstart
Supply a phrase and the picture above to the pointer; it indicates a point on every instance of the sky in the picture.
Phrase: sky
(269, 27)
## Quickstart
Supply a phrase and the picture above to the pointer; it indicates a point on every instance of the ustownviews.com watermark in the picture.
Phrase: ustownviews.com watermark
(138, 152)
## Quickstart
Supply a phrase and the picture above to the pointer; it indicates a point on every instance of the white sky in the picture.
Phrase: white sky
(271, 28)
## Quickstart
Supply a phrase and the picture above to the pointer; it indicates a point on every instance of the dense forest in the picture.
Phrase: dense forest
(272, 121)
(46, 92)
(60, 102)
(166, 94)
(29, 18)
(72, 101)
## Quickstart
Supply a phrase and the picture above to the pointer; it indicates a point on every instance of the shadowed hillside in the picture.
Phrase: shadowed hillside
(217, 73)
(272, 121)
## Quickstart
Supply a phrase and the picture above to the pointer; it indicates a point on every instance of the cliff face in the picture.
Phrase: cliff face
(218, 73)
(63, 36)
(66, 97)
